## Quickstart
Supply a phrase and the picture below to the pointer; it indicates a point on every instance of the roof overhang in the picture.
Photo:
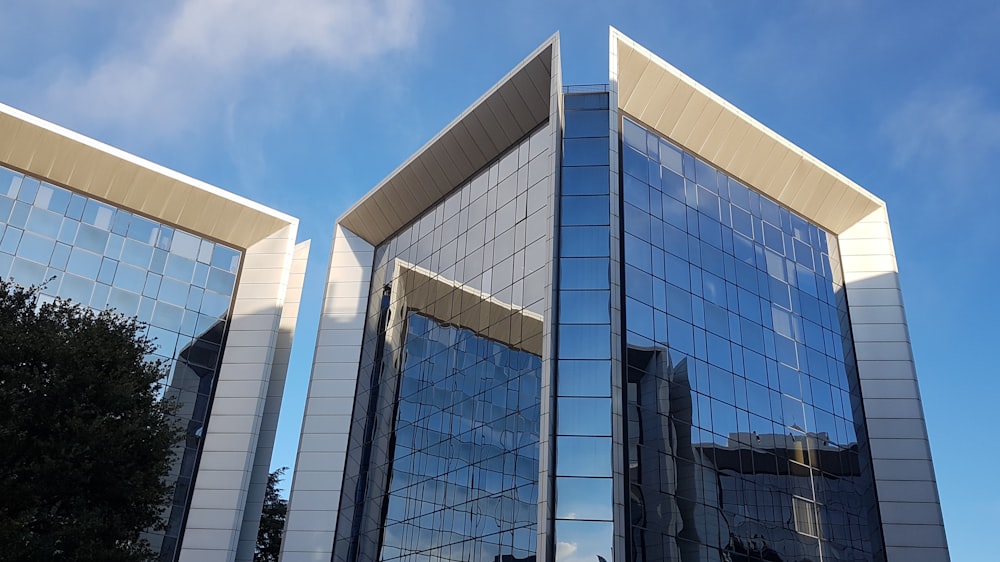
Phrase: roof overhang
(683, 110)
(514, 107)
(62, 157)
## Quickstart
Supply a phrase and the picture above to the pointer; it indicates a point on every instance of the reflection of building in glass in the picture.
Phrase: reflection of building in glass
(208, 272)
(449, 456)
(465, 445)
(786, 495)
(712, 317)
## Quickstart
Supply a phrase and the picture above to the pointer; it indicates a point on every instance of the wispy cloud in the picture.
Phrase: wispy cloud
(202, 52)
(565, 551)
(955, 130)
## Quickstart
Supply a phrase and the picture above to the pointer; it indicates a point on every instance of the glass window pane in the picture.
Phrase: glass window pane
(584, 241)
(584, 540)
(92, 238)
(143, 230)
(584, 273)
(588, 100)
(84, 263)
(633, 135)
(584, 378)
(225, 258)
(585, 341)
(221, 281)
(45, 223)
(586, 152)
(585, 180)
(584, 498)
(584, 307)
(586, 210)
(35, 248)
(670, 156)
(583, 456)
(586, 124)
(136, 253)
(584, 416)
(10, 182)
(29, 188)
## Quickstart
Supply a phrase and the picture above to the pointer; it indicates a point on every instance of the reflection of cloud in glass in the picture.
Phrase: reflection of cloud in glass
(583, 541)
(565, 550)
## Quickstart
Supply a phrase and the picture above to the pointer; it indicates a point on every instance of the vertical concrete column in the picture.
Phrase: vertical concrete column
(546, 511)
(224, 474)
(272, 406)
(319, 467)
(912, 524)
(618, 391)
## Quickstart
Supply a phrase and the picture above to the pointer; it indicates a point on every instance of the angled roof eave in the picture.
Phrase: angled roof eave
(506, 113)
(661, 108)
(66, 158)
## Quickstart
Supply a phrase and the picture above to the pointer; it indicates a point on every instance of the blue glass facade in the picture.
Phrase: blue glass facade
(464, 465)
(742, 439)
(179, 284)
(702, 403)
(700, 385)
(584, 476)
(443, 454)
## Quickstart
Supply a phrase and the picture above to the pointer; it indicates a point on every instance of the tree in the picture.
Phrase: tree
(85, 440)
(272, 520)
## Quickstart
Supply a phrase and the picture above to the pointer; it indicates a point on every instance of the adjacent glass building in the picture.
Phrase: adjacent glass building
(215, 278)
(609, 324)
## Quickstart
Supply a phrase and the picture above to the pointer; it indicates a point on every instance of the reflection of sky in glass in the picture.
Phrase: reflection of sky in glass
(464, 467)
(178, 284)
(738, 283)
(583, 498)
(105, 257)
(583, 378)
(584, 541)
(583, 456)
(740, 405)
(488, 240)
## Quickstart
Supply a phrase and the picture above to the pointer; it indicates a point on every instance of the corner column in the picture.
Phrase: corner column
(224, 472)
(314, 499)
(912, 524)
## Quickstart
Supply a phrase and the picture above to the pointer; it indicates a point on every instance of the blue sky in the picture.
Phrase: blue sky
(305, 105)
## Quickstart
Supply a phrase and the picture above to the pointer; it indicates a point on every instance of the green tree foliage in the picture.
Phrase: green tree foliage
(272, 520)
(85, 442)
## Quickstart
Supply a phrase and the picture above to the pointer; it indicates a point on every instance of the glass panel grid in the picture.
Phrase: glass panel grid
(180, 285)
(583, 485)
(444, 448)
(741, 431)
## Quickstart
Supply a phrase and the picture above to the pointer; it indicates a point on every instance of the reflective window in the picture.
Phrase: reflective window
(108, 258)
(464, 463)
(740, 428)
(582, 490)
(583, 540)
(443, 454)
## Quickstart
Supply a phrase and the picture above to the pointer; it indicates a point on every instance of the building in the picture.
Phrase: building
(623, 323)
(216, 277)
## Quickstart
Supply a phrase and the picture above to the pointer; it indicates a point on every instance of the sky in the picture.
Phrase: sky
(305, 105)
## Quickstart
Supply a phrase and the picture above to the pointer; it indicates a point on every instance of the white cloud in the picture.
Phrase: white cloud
(204, 51)
(565, 551)
(570, 552)
(955, 130)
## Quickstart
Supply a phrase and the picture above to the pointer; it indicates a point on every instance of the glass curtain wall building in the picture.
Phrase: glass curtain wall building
(107, 230)
(616, 323)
